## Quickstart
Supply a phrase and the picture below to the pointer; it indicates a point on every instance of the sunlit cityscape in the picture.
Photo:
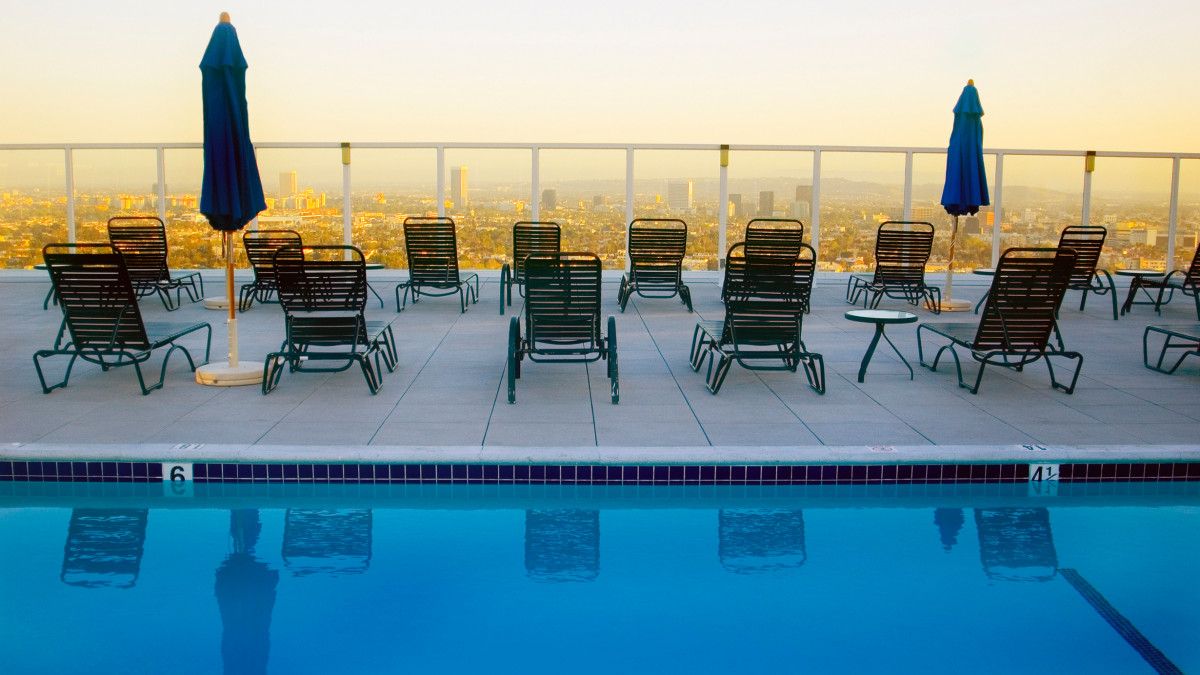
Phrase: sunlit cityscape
(592, 213)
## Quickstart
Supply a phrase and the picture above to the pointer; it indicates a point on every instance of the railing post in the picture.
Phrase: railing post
(1089, 166)
(70, 172)
(441, 181)
(347, 208)
(723, 209)
(535, 179)
(161, 154)
(816, 203)
(908, 184)
(1173, 213)
(628, 202)
(997, 208)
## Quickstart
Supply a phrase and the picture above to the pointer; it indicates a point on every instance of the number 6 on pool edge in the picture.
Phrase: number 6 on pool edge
(181, 472)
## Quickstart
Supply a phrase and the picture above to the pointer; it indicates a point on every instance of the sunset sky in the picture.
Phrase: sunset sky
(1064, 74)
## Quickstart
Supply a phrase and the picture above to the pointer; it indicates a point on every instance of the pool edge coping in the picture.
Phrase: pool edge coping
(616, 455)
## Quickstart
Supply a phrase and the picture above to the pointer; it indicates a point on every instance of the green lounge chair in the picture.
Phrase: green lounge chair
(1018, 319)
(562, 317)
(142, 240)
(323, 292)
(101, 317)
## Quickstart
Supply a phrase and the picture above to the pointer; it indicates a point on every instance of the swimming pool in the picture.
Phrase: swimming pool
(128, 577)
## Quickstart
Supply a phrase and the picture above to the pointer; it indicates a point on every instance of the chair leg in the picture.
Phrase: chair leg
(504, 274)
(814, 370)
(623, 292)
(978, 375)
(245, 298)
(695, 353)
(373, 381)
(162, 374)
(685, 294)
(1112, 289)
(514, 346)
(272, 372)
(1073, 356)
(45, 353)
(933, 299)
(718, 368)
(165, 296)
(613, 375)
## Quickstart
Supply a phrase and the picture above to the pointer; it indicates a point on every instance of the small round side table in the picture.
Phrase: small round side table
(880, 318)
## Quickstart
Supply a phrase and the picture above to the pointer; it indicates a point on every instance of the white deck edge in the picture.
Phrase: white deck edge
(692, 455)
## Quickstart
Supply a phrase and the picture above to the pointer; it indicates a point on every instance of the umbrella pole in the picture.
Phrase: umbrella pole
(233, 372)
(233, 341)
(950, 263)
(949, 304)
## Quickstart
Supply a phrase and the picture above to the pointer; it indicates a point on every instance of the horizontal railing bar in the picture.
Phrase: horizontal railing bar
(425, 145)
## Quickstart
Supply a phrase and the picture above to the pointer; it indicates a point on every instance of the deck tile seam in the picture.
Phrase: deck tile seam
(789, 407)
(433, 352)
(671, 370)
(289, 412)
(499, 385)
(587, 372)
(880, 404)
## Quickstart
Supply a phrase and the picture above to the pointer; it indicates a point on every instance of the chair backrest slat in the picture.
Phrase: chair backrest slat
(741, 261)
(1192, 278)
(1028, 286)
(657, 240)
(261, 246)
(562, 297)
(142, 240)
(96, 296)
(432, 248)
(321, 279)
(1088, 242)
(765, 304)
(533, 237)
(774, 236)
(902, 251)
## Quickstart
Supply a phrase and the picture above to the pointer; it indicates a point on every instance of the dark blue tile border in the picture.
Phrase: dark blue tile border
(571, 474)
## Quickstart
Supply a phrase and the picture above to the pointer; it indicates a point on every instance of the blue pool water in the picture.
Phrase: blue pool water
(118, 578)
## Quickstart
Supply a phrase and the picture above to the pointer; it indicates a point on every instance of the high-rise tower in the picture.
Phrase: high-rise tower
(458, 186)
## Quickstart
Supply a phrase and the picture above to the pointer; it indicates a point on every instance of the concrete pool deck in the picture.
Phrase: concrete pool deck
(446, 400)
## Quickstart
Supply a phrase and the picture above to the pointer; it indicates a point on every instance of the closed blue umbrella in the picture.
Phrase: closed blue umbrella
(966, 179)
(231, 194)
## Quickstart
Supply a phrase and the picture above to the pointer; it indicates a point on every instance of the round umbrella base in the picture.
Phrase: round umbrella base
(223, 375)
(221, 302)
(955, 305)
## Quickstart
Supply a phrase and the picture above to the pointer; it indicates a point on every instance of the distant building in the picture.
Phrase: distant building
(287, 184)
(970, 225)
(679, 195)
(924, 214)
(597, 201)
(802, 206)
(735, 205)
(458, 187)
(766, 203)
(549, 198)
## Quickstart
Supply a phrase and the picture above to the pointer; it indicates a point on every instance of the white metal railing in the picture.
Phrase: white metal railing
(630, 151)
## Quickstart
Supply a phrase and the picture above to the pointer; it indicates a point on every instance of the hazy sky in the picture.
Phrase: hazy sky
(1052, 74)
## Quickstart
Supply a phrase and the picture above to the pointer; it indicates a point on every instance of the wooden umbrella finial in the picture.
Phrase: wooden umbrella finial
(970, 82)
(224, 17)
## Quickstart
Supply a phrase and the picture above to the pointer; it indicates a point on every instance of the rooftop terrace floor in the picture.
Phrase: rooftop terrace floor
(449, 387)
